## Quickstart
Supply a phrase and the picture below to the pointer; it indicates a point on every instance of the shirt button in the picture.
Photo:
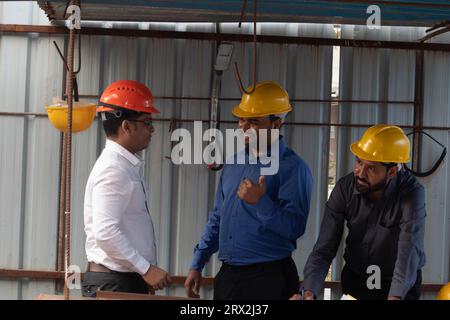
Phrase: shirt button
(230, 237)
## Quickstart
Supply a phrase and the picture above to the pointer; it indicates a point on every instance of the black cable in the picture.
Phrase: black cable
(437, 163)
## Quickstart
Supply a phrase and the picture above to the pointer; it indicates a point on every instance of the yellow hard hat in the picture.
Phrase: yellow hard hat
(383, 143)
(267, 99)
(444, 293)
(82, 116)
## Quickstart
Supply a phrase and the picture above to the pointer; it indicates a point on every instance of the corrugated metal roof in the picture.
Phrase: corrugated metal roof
(394, 12)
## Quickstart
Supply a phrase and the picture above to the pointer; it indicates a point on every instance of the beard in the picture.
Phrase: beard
(367, 188)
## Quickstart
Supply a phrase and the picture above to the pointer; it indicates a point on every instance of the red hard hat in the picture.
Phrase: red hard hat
(127, 94)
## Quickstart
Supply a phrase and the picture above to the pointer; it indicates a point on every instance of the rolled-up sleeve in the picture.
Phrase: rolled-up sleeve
(410, 243)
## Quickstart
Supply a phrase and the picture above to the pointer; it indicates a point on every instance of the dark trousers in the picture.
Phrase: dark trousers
(355, 285)
(112, 281)
(276, 280)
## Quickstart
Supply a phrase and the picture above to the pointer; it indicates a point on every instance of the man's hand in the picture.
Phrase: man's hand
(192, 284)
(156, 278)
(307, 295)
(250, 192)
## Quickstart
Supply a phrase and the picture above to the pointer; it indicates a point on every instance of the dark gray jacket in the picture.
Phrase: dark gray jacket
(388, 233)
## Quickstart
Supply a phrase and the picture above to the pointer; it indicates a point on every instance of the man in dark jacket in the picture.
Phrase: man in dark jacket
(383, 206)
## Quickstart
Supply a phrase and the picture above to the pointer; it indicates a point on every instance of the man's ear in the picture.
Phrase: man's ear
(276, 124)
(392, 171)
(125, 126)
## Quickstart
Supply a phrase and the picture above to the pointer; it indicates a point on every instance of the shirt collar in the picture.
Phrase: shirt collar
(392, 185)
(134, 159)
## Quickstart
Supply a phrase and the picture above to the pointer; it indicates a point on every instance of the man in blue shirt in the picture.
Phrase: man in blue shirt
(256, 219)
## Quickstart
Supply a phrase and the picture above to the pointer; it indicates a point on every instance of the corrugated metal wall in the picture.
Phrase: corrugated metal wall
(31, 74)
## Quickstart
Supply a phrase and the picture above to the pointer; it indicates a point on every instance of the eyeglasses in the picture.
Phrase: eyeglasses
(146, 122)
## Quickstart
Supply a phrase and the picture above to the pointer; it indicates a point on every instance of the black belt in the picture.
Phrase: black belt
(95, 267)
(255, 265)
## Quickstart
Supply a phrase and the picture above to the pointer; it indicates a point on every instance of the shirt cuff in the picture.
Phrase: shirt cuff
(397, 290)
(309, 285)
(197, 262)
(141, 265)
(264, 207)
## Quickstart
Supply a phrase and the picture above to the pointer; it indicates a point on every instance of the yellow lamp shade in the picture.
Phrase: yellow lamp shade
(82, 115)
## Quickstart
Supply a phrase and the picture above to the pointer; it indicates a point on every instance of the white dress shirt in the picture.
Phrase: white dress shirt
(119, 228)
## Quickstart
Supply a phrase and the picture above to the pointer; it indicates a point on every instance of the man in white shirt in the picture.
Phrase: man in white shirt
(120, 237)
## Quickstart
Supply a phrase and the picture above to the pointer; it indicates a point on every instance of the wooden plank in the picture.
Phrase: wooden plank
(31, 274)
(176, 280)
(45, 296)
(206, 281)
(110, 295)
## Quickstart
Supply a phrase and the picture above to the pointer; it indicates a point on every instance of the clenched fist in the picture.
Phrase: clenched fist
(157, 278)
(251, 192)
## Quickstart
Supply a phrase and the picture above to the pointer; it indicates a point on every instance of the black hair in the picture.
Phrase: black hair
(273, 117)
(112, 123)
(389, 165)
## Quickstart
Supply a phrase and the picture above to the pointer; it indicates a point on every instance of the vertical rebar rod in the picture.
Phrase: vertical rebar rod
(68, 167)
(62, 194)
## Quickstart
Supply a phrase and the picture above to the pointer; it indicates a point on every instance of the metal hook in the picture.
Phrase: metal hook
(436, 30)
(172, 124)
(439, 25)
(244, 8)
(68, 3)
(238, 76)
(75, 83)
(61, 55)
(79, 54)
